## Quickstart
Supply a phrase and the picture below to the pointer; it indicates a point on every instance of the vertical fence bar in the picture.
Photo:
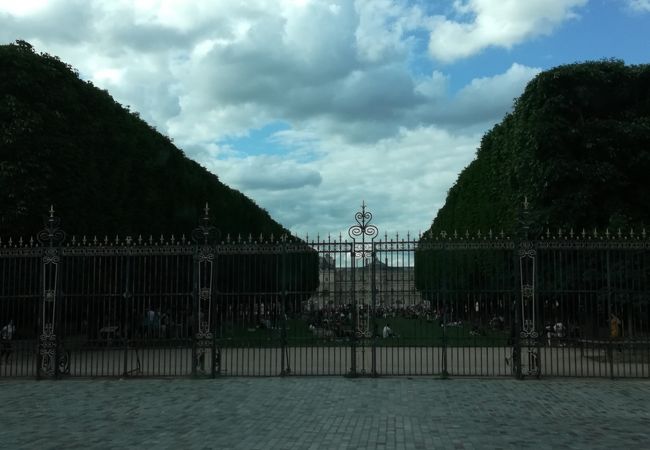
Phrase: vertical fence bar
(202, 297)
(51, 237)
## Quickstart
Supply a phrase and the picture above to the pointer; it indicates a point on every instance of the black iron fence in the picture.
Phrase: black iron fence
(562, 304)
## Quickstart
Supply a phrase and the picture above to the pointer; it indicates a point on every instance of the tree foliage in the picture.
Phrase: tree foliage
(577, 145)
(66, 143)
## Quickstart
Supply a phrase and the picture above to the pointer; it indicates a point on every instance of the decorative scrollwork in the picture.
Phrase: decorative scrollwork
(203, 338)
(51, 256)
(363, 227)
(529, 334)
(204, 294)
(47, 348)
(49, 295)
(51, 235)
(205, 232)
(205, 254)
(527, 250)
(527, 291)
(360, 334)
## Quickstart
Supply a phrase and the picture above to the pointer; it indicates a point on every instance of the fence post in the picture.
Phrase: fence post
(48, 348)
(362, 229)
(126, 296)
(286, 369)
(444, 374)
(203, 338)
(372, 326)
(529, 334)
(517, 304)
(610, 344)
(353, 337)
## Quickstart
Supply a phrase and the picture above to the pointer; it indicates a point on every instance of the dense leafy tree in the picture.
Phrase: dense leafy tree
(577, 144)
(67, 143)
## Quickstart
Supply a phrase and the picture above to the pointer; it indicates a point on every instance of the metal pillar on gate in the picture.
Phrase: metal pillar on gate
(360, 251)
(284, 357)
(204, 338)
(48, 347)
(527, 347)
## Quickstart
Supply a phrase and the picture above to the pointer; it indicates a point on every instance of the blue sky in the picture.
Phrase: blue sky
(310, 107)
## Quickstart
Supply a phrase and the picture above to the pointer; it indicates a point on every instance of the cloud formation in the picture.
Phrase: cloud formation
(369, 115)
(641, 6)
(499, 23)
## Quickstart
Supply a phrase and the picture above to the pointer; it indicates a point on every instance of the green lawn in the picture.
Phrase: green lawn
(409, 332)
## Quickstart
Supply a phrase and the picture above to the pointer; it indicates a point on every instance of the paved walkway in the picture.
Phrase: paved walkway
(324, 413)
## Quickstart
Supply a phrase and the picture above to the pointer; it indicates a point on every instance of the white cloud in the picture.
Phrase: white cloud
(499, 23)
(23, 7)
(401, 178)
(361, 125)
(485, 98)
(641, 6)
(268, 173)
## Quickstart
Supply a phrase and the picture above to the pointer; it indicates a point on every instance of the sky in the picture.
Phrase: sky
(311, 107)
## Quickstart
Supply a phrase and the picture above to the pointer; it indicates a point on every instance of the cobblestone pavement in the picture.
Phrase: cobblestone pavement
(325, 413)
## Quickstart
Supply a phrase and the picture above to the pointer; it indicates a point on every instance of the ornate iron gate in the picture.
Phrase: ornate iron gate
(443, 304)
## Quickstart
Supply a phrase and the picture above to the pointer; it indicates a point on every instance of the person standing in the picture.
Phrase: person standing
(614, 324)
(6, 336)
